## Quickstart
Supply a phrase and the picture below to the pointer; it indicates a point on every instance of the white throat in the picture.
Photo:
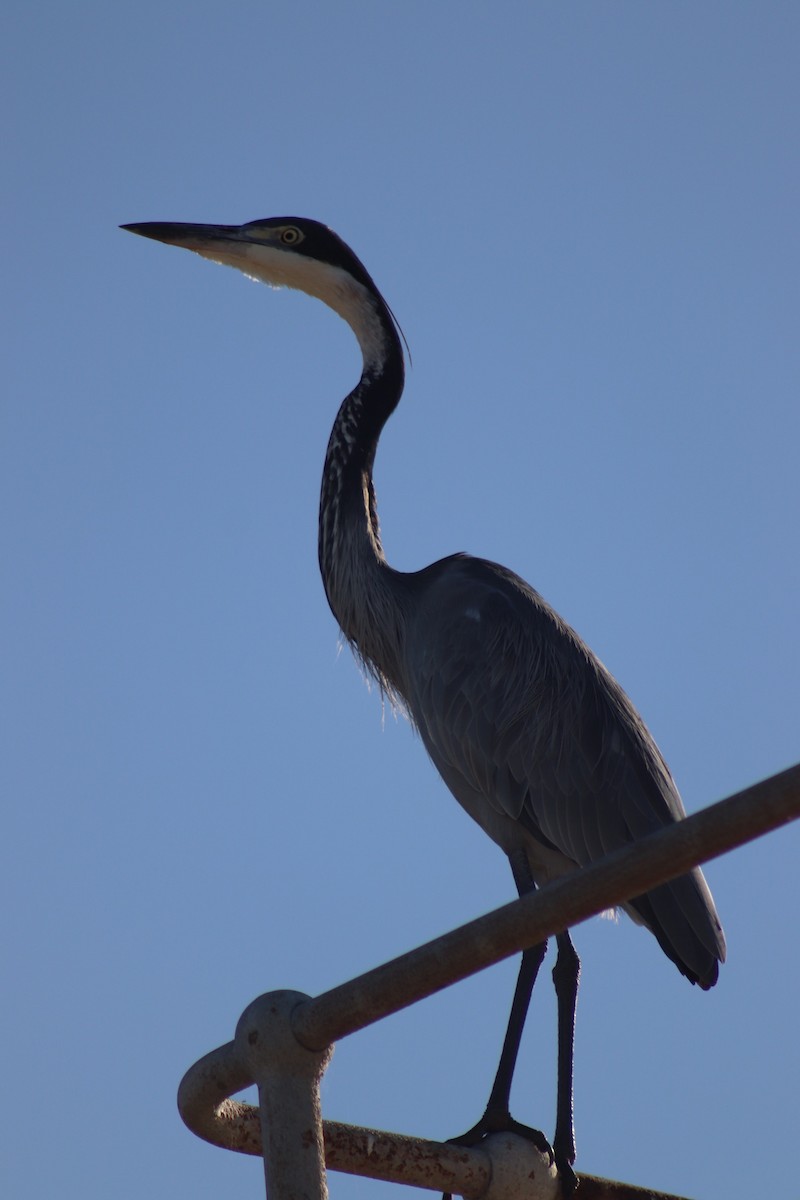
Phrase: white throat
(279, 268)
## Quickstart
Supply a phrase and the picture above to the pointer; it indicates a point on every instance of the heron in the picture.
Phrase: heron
(527, 728)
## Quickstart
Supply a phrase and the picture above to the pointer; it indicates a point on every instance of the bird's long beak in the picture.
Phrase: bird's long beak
(192, 237)
(225, 244)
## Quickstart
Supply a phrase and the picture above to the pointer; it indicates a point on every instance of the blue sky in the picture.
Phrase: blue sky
(585, 218)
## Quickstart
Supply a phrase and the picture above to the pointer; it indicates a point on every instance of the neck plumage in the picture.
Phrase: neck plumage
(361, 587)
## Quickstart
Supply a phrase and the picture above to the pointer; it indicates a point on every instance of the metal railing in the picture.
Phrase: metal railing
(284, 1039)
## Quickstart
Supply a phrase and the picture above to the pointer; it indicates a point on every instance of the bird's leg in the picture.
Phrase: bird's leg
(566, 973)
(497, 1116)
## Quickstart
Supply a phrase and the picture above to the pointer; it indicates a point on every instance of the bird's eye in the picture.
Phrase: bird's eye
(290, 236)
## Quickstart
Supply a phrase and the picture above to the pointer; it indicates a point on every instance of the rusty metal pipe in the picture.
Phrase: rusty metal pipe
(304, 1028)
(568, 901)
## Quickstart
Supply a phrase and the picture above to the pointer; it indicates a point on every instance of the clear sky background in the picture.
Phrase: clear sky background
(585, 216)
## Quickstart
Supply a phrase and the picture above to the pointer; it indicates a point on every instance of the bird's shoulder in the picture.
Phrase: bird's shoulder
(464, 605)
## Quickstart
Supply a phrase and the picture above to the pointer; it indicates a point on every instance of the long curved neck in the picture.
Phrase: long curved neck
(360, 586)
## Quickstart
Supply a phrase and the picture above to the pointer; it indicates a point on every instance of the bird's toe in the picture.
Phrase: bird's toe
(502, 1122)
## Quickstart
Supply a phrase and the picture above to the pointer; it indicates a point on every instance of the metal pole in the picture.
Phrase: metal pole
(288, 1077)
(632, 871)
(284, 1039)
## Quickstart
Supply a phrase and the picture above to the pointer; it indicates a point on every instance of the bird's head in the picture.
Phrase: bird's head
(293, 252)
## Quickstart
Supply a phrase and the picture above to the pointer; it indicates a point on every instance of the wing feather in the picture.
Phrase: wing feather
(522, 720)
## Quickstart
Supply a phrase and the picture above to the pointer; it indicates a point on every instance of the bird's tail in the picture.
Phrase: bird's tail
(682, 916)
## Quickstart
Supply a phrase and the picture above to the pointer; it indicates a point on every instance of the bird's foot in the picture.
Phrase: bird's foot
(494, 1121)
(501, 1121)
(568, 1178)
(564, 1156)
